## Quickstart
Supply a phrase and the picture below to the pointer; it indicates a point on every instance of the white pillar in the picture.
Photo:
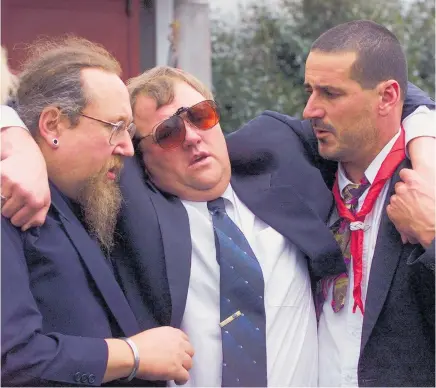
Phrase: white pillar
(194, 47)
(164, 18)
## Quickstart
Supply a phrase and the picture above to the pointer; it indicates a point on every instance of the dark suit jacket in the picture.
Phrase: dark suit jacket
(398, 336)
(276, 182)
(60, 300)
(398, 339)
(274, 172)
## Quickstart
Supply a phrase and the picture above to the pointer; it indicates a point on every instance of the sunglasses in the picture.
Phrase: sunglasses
(171, 132)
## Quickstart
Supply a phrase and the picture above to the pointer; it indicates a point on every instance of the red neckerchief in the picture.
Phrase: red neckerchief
(387, 169)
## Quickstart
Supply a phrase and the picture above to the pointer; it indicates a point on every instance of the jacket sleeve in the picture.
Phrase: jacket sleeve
(415, 97)
(30, 356)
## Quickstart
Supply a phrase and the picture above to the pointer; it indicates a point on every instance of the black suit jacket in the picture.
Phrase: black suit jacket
(397, 344)
(398, 336)
(60, 299)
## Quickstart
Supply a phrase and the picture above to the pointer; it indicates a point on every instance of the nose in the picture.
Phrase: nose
(124, 146)
(313, 109)
(192, 136)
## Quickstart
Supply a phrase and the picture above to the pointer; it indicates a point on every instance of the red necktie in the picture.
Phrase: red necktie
(387, 169)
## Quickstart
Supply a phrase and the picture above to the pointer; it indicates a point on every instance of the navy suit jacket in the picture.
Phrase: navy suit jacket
(278, 176)
(60, 299)
(276, 182)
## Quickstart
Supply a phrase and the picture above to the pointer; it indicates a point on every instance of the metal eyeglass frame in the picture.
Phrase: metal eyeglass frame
(116, 127)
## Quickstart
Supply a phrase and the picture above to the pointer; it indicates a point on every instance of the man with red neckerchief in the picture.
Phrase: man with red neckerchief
(376, 324)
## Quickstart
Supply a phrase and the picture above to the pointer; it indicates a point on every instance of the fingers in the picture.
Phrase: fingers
(410, 177)
(400, 188)
(182, 377)
(29, 221)
(406, 174)
(189, 349)
(24, 209)
(10, 206)
(187, 362)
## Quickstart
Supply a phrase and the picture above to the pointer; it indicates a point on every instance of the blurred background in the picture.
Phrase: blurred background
(251, 52)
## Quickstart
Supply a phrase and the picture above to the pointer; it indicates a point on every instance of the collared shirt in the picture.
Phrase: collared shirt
(9, 118)
(340, 333)
(292, 350)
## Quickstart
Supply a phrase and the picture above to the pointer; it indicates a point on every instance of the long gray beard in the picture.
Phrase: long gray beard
(100, 201)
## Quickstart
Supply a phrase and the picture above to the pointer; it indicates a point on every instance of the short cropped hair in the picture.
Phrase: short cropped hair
(158, 84)
(52, 77)
(380, 56)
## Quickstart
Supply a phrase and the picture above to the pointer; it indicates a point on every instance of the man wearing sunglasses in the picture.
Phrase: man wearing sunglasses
(260, 178)
(172, 257)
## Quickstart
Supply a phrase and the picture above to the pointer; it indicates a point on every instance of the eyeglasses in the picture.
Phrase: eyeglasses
(171, 132)
(117, 129)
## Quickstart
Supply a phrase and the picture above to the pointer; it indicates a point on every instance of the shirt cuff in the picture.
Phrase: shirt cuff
(10, 118)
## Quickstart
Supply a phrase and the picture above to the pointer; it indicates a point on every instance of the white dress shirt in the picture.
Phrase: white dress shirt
(291, 333)
(340, 333)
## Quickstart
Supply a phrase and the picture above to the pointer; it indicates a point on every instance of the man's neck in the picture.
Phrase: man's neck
(355, 169)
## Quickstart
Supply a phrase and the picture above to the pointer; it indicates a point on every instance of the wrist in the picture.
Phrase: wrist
(120, 361)
(136, 358)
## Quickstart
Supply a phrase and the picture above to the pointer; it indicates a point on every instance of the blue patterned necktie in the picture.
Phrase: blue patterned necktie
(242, 310)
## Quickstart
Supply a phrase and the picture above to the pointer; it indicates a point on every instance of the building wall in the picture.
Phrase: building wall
(112, 23)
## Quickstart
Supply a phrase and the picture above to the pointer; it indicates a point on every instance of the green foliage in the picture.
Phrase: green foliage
(258, 61)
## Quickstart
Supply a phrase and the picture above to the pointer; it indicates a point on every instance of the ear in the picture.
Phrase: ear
(51, 124)
(390, 96)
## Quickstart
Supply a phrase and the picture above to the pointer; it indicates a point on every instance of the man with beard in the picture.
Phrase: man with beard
(171, 252)
(65, 320)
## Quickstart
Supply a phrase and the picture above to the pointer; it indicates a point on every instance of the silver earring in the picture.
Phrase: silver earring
(55, 142)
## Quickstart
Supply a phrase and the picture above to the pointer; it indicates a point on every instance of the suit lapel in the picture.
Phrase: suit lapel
(385, 261)
(97, 265)
(283, 209)
(177, 244)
